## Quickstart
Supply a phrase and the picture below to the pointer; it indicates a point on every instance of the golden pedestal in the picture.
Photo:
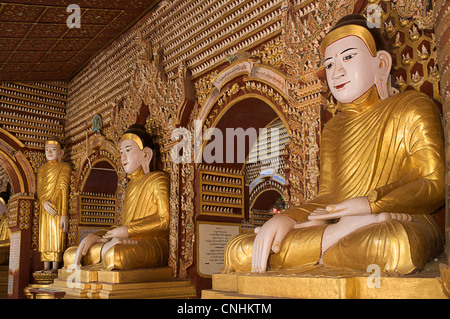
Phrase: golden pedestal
(318, 282)
(122, 284)
(43, 280)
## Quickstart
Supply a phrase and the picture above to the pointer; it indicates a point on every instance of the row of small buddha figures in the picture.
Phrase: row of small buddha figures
(107, 221)
(98, 214)
(221, 189)
(37, 110)
(221, 179)
(97, 207)
(222, 200)
(50, 89)
(217, 209)
(231, 47)
(37, 98)
(236, 18)
(382, 177)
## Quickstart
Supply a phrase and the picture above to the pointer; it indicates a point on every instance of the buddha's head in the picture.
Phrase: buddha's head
(136, 149)
(355, 59)
(4, 198)
(53, 150)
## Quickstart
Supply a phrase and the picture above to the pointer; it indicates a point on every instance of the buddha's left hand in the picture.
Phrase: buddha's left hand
(356, 206)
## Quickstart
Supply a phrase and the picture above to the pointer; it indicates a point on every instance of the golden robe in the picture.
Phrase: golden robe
(389, 150)
(5, 236)
(53, 182)
(146, 213)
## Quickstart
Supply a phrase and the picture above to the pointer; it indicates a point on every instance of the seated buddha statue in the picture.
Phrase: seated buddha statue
(5, 232)
(141, 241)
(381, 175)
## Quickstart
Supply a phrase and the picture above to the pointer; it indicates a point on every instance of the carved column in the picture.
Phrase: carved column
(442, 32)
(20, 213)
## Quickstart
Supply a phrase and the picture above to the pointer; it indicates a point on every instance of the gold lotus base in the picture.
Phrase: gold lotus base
(122, 284)
(44, 278)
(317, 282)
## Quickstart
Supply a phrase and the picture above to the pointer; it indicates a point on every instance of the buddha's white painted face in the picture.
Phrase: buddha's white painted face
(53, 152)
(350, 68)
(131, 155)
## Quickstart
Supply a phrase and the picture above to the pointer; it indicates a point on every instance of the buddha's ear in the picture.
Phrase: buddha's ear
(60, 154)
(148, 154)
(382, 74)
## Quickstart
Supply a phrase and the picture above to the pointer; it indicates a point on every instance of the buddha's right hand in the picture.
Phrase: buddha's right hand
(269, 237)
(85, 245)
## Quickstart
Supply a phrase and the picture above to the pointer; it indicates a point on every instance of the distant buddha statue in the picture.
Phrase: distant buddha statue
(381, 175)
(53, 183)
(5, 233)
(141, 241)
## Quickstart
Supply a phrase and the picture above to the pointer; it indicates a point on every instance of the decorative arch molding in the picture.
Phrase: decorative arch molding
(169, 101)
(19, 169)
(98, 148)
(264, 186)
(247, 77)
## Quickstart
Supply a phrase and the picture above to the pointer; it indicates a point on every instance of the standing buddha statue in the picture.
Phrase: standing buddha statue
(381, 175)
(53, 183)
(141, 241)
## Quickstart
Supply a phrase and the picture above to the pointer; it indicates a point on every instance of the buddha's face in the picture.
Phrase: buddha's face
(53, 152)
(131, 155)
(350, 68)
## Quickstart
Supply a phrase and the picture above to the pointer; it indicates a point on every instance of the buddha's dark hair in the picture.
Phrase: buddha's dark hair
(360, 20)
(141, 132)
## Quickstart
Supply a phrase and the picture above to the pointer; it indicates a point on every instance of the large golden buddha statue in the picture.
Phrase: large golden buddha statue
(5, 232)
(52, 189)
(381, 177)
(142, 239)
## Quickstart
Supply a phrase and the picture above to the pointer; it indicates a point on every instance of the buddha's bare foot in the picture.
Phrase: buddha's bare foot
(394, 216)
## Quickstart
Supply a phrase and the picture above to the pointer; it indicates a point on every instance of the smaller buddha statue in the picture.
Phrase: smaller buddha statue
(53, 182)
(5, 233)
(141, 240)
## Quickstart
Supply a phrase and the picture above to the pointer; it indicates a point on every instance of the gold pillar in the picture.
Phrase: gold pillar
(442, 33)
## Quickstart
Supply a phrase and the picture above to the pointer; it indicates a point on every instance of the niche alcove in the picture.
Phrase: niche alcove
(242, 160)
(97, 200)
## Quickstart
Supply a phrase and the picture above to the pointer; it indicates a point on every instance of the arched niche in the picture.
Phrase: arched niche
(98, 188)
(101, 179)
(250, 121)
(245, 116)
(15, 163)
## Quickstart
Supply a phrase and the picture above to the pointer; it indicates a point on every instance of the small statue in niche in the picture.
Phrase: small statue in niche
(53, 183)
(381, 175)
(97, 124)
(5, 233)
(141, 241)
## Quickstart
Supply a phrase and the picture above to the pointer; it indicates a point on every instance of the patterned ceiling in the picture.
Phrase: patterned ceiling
(36, 43)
